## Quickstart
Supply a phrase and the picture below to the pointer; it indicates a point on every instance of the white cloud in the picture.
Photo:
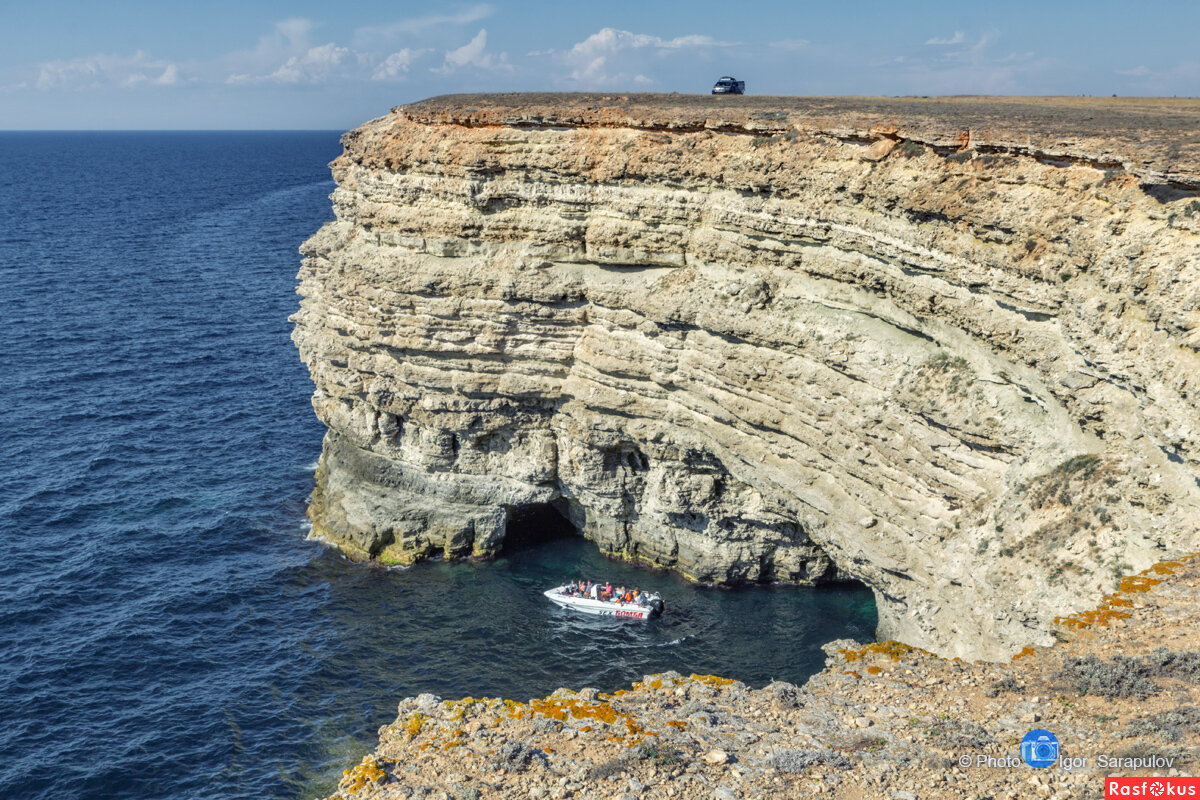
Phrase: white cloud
(288, 36)
(169, 77)
(315, 65)
(287, 40)
(92, 72)
(958, 38)
(473, 54)
(396, 65)
(377, 35)
(606, 57)
(287, 56)
(974, 68)
(1180, 79)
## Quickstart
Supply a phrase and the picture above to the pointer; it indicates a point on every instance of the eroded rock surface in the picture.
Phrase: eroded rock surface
(948, 348)
(880, 721)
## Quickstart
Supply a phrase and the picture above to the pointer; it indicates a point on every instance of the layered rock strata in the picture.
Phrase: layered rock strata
(948, 348)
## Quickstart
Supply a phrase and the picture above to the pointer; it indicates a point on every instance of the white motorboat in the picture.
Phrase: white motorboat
(651, 605)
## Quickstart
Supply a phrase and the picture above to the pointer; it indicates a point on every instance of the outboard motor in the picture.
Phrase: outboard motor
(656, 606)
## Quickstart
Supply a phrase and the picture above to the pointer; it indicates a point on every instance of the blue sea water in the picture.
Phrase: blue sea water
(166, 629)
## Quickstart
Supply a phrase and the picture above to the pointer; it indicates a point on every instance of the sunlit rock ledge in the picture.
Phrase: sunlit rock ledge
(945, 347)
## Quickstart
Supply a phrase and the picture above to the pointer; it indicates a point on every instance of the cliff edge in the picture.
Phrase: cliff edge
(945, 347)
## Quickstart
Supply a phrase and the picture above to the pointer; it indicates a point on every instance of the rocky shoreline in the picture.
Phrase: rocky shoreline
(881, 721)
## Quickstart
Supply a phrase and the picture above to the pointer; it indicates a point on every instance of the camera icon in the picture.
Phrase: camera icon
(1039, 749)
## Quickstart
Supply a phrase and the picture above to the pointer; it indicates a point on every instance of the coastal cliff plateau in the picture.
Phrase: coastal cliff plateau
(950, 348)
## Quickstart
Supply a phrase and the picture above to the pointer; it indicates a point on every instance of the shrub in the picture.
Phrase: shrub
(871, 744)
(910, 149)
(951, 732)
(1165, 664)
(1006, 684)
(1056, 485)
(514, 757)
(606, 769)
(660, 754)
(1120, 677)
(794, 761)
(1168, 725)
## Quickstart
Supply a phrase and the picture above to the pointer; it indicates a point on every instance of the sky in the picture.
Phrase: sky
(252, 64)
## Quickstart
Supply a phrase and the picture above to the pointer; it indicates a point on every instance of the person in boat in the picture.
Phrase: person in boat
(608, 590)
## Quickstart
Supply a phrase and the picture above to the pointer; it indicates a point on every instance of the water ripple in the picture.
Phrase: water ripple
(166, 629)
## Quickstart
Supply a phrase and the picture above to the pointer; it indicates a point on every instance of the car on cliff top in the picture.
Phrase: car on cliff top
(728, 85)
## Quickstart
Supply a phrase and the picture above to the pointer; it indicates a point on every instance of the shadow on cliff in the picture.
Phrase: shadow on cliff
(529, 526)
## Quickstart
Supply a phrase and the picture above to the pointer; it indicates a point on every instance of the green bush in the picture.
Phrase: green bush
(659, 754)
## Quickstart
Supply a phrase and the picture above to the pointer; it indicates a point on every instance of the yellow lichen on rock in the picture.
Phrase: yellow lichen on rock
(365, 773)
(415, 722)
(891, 648)
(711, 680)
(1113, 607)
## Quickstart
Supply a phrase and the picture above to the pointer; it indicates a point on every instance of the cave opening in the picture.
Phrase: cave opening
(535, 524)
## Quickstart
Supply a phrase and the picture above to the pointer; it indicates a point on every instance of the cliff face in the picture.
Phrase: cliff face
(946, 348)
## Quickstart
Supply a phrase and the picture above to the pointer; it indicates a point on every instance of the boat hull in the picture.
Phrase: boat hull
(600, 608)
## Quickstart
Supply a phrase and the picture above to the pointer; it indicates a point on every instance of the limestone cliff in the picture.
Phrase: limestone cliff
(948, 348)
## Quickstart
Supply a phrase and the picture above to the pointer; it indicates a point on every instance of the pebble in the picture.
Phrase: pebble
(716, 757)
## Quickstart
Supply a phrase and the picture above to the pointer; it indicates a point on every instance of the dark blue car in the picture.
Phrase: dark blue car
(728, 85)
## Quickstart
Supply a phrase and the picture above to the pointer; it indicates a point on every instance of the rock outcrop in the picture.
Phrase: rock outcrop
(948, 348)
(880, 721)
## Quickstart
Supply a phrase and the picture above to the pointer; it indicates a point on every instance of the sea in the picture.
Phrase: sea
(167, 626)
